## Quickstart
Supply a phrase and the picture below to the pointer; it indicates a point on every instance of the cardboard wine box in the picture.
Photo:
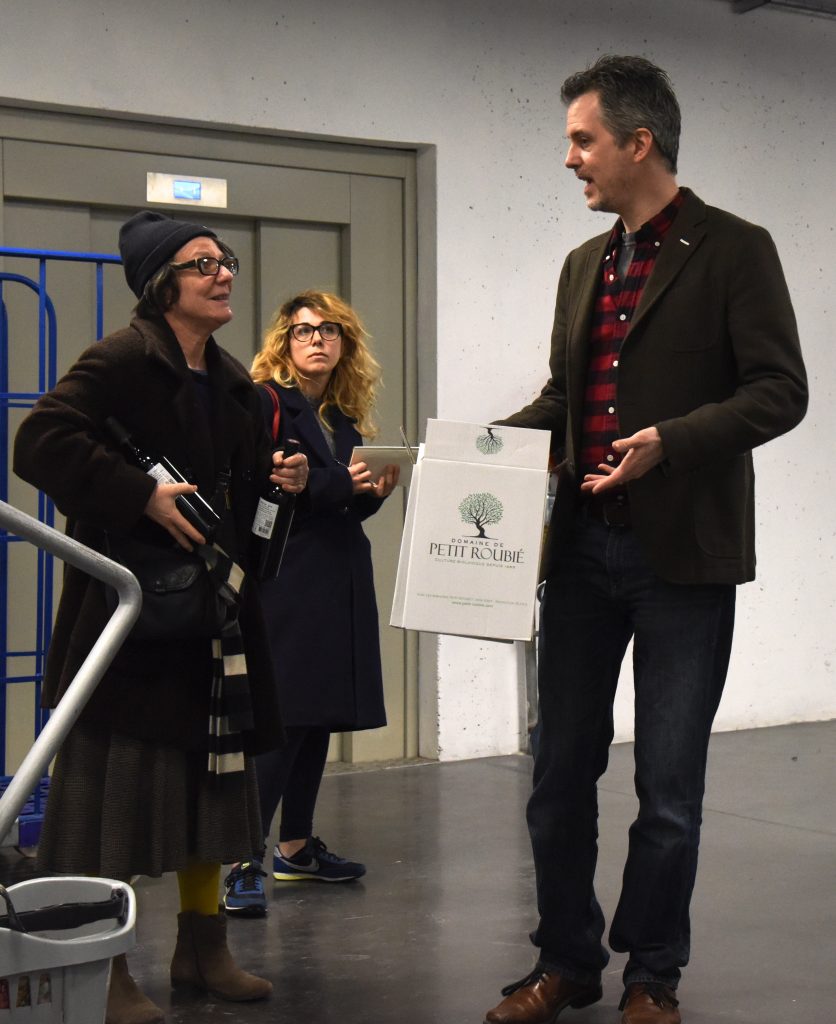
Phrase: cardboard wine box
(474, 527)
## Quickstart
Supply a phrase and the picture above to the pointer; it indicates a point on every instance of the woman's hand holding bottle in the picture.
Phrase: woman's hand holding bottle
(291, 473)
(162, 508)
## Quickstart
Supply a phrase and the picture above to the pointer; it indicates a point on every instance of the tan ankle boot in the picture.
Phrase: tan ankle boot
(125, 1003)
(202, 960)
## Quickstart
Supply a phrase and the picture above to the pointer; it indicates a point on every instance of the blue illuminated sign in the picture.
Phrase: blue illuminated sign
(187, 189)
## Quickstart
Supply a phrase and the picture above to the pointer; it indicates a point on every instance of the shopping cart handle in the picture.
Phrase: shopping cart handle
(61, 916)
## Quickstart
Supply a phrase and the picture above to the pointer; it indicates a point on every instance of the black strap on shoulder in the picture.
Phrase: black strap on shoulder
(221, 500)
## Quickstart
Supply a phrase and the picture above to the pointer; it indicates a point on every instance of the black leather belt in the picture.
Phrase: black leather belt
(607, 508)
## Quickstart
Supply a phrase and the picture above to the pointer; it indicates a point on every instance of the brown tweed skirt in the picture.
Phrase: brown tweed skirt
(120, 806)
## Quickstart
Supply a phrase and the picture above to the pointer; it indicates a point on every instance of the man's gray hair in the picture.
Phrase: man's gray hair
(633, 94)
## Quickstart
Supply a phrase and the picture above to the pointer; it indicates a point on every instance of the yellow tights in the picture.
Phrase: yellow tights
(199, 884)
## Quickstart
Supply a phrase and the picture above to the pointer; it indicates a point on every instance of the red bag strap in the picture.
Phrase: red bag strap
(274, 398)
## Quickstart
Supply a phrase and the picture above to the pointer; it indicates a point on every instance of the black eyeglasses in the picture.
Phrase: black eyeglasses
(327, 331)
(209, 266)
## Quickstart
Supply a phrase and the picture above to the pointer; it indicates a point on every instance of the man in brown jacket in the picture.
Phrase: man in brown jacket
(674, 354)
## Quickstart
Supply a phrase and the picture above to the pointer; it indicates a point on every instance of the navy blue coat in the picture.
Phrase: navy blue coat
(321, 611)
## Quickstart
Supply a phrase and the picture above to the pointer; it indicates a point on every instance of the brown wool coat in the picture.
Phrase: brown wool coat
(155, 691)
(712, 358)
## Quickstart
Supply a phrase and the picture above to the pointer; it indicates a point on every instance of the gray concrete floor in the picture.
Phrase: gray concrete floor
(441, 920)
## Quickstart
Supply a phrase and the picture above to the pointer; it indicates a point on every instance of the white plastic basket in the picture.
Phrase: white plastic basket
(61, 977)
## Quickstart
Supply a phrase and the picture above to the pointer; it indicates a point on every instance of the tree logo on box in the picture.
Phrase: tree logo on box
(489, 443)
(481, 510)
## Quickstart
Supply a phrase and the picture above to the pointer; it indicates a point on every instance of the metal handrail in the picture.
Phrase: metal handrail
(95, 664)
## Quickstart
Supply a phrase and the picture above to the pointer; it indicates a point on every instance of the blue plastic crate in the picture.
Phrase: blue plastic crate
(31, 818)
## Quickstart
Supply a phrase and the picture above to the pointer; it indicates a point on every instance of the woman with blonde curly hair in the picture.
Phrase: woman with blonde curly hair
(317, 372)
(352, 383)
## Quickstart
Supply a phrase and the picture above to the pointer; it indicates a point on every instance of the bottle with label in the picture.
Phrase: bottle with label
(272, 522)
(195, 509)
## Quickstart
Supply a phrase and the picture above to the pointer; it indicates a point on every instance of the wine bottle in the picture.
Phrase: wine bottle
(195, 509)
(272, 522)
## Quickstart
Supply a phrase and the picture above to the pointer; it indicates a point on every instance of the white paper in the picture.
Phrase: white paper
(378, 457)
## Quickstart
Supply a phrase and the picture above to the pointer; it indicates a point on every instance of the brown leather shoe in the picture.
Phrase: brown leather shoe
(540, 998)
(649, 1003)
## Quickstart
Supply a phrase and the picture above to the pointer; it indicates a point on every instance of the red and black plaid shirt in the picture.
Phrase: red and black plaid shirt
(614, 308)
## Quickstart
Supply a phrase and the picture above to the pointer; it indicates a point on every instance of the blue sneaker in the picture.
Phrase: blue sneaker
(315, 863)
(244, 890)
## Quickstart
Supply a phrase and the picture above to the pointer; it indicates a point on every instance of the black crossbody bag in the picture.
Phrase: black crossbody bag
(180, 597)
(181, 594)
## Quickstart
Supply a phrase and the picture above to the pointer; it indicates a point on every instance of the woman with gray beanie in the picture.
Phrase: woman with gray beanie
(157, 773)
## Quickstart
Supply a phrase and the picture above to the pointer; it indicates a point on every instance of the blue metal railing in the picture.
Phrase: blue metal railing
(47, 370)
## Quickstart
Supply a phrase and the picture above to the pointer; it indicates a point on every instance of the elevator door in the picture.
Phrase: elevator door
(316, 215)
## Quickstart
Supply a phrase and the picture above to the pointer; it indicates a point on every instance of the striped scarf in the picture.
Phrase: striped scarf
(230, 706)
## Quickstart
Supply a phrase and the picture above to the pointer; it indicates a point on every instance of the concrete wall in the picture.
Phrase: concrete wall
(480, 80)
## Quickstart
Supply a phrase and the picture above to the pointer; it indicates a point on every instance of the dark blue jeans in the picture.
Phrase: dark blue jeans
(603, 594)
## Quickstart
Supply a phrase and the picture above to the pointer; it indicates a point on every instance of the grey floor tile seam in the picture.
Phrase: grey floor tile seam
(336, 769)
(830, 833)
(521, 764)
(707, 809)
